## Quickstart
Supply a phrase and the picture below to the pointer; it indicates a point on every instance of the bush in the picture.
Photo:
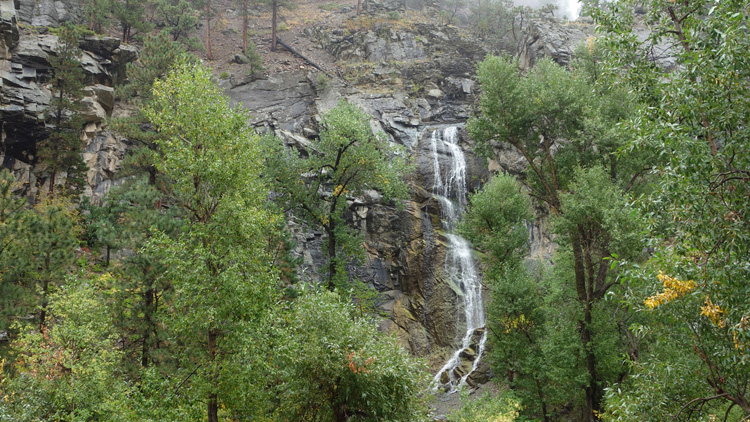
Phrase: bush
(332, 363)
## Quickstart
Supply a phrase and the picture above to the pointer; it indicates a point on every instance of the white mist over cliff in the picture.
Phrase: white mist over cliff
(569, 8)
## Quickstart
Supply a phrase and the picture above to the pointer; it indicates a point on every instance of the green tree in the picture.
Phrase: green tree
(347, 159)
(179, 18)
(61, 150)
(69, 370)
(99, 13)
(50, 244)
(131, 16)
(218, 266)
(335, 366)
(695, 115)
(546, 115)
(495, 223)
(157, 56)
(17, 296)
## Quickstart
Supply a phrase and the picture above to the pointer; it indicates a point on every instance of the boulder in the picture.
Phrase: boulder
(104, 95)
(102, 46)
(92, 111)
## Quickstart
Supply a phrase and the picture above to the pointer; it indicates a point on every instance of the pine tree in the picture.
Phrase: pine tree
(16, 296)
(61, 151)
(131, 16)
(157, 56)
(99, 13)
(180, 19)
(275, 6)
(51, 244)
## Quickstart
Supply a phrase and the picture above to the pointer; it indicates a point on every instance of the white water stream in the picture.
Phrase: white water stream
(450, 189)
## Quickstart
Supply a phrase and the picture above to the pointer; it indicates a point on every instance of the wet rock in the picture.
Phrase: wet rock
(553, 39)
(50, 12)
(468, 354)
(283, 100)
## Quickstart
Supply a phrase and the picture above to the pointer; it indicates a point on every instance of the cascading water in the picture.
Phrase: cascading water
(459, 264)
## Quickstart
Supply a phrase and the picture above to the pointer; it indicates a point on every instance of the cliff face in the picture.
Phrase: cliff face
(412, 77)
(25, 94)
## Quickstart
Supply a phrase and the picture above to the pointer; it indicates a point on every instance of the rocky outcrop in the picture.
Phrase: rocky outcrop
(552, 38)
(25, 95)
(49, 12)
(8, 28)
(281, 101)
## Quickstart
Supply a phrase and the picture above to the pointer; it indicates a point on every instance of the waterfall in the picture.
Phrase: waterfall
(451, 192)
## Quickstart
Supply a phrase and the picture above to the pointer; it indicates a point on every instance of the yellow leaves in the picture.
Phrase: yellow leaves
(673, 289)
(338, 190)
(515, 323)
(714, 313)
(591, 44)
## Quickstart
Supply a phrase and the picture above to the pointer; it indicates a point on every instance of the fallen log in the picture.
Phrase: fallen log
(302, 56)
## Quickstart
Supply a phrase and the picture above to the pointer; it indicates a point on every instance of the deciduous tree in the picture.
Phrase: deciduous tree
(219, 266)
(347, 159)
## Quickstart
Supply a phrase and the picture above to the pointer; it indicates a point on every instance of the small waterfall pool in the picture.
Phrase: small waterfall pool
(450, 189)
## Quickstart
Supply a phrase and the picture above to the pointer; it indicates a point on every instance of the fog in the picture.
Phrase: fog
(569, 8)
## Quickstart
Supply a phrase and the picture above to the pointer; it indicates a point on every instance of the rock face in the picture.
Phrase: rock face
(49, 12)
(25, 72)
(553, 39)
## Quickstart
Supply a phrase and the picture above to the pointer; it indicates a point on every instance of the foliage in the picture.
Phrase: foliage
(495, 222)
(486, 408)
(52, 238)
(553, 118)
(334, 365)
(218, 266)
(69, 370)
(157, 56)
(131, 16)
(696, 117)
(98, 14)
(347, 159)
(16, 296)
(179, 18)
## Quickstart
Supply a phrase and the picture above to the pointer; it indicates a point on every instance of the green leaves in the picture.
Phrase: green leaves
(332, 363)
(346, 160)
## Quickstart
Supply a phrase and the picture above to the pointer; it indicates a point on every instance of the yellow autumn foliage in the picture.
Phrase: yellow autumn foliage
(673, 288)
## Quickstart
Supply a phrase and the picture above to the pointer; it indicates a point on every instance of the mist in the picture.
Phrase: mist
(569, 8)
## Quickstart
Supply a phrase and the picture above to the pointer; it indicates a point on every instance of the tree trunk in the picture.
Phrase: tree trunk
(213, 399)
(273, 25)
(585, 300)
(541, 400)
(244, 26)
(43, 313)
(45, 291)
(51, 192)
(148, 325)
(209, 54)
(359, 7)
(331, 254)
